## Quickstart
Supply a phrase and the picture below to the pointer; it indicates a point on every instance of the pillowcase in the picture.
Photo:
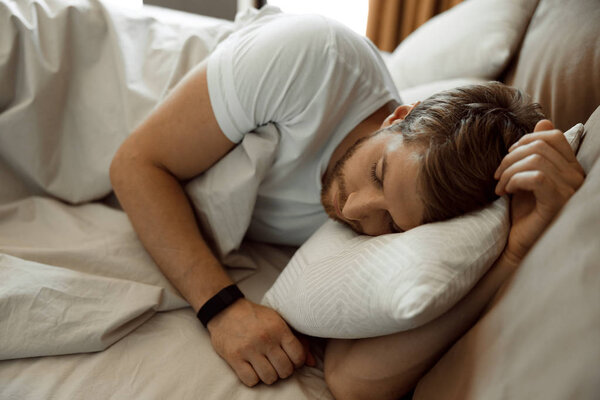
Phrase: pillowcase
(343, 285)
(562, 75)
(475, 39)
(421, 92)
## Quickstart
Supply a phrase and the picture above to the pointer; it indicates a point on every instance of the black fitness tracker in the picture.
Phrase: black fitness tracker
(220, 301)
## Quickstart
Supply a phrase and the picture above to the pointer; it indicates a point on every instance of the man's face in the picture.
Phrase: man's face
(373, 188)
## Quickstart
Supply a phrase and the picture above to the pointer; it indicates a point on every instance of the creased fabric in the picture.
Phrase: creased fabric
(78, 77)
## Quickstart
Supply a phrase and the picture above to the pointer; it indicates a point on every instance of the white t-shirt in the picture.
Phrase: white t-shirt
(316, 80)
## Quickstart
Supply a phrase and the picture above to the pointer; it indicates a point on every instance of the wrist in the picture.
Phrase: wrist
(219, 303)
(234, 312)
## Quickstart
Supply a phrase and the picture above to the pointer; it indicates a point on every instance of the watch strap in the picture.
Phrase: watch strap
(220, 301)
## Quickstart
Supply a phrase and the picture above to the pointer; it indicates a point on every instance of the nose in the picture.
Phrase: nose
(361, 205)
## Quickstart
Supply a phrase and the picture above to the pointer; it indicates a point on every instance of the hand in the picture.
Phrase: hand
(257, 343)
(542, 173)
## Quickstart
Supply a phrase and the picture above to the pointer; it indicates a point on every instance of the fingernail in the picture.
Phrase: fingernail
(497, 190)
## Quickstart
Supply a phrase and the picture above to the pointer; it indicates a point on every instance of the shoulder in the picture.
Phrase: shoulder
(291, 31)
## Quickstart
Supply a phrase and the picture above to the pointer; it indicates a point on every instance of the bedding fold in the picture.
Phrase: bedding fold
(73, 279)
(48, 310)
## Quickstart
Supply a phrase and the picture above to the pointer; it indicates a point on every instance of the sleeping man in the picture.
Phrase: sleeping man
(349, 151)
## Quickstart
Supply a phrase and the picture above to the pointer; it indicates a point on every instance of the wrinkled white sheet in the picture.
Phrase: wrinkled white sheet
(78, 76)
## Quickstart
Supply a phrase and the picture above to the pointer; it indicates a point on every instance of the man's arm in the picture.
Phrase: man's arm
(180, 140)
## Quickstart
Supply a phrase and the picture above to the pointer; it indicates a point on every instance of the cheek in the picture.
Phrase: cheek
(356, 169)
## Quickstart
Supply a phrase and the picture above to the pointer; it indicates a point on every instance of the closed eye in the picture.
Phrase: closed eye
(374, 177)
(393, 227)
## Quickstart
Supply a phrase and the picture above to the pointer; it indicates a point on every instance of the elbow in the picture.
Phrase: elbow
(348, 387)
(352, 377)
(336, 385)
(344, 380)
(115, 171)
(344, 387)
(123, 165)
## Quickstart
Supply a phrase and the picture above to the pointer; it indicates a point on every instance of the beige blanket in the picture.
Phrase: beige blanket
(75, 279)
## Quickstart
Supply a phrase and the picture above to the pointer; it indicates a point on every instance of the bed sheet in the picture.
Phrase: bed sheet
(164, 354)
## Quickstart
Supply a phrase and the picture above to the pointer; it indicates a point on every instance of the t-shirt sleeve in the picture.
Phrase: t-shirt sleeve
(286, 69)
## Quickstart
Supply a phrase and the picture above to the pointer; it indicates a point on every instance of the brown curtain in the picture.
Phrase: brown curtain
(390, 21)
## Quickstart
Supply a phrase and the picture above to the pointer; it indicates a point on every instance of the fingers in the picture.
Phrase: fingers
(544, 188)
(542, 173)
(294, 349)
(280, 361)
(546, 151)
(256, 342)
(554, 138)
(267, 366)
(283, 359)
(543, 125)
(264, 369)
(539, 146)
(246, 373)
(539, 156)
(276, 357)
(544, 164)
(311, 361)
(536, 175)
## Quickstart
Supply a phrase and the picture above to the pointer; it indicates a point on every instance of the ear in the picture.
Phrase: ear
(399, 114)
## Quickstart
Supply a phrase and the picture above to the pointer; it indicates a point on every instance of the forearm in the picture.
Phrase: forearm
(163, 218)
(430, 339)
(359, 366)
(454, 323)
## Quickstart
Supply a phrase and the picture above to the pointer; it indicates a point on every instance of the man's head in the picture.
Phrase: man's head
(430, 161)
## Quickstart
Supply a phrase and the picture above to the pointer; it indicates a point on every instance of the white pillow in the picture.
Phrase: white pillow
(343, 285)
(476, 38)
(421, 92)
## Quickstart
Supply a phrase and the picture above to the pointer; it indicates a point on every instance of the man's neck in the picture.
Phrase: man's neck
(368, 126)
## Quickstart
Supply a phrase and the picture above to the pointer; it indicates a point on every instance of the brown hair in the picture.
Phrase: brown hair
(463, 134)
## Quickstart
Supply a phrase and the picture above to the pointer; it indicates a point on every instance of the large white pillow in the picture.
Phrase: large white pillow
(476, 38)
(421, 92)
(343, 285)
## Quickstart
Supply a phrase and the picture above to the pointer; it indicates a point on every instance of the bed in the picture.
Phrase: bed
(84, 311)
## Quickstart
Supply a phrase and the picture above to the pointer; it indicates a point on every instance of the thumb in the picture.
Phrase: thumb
(311, 361)
(543, 125)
